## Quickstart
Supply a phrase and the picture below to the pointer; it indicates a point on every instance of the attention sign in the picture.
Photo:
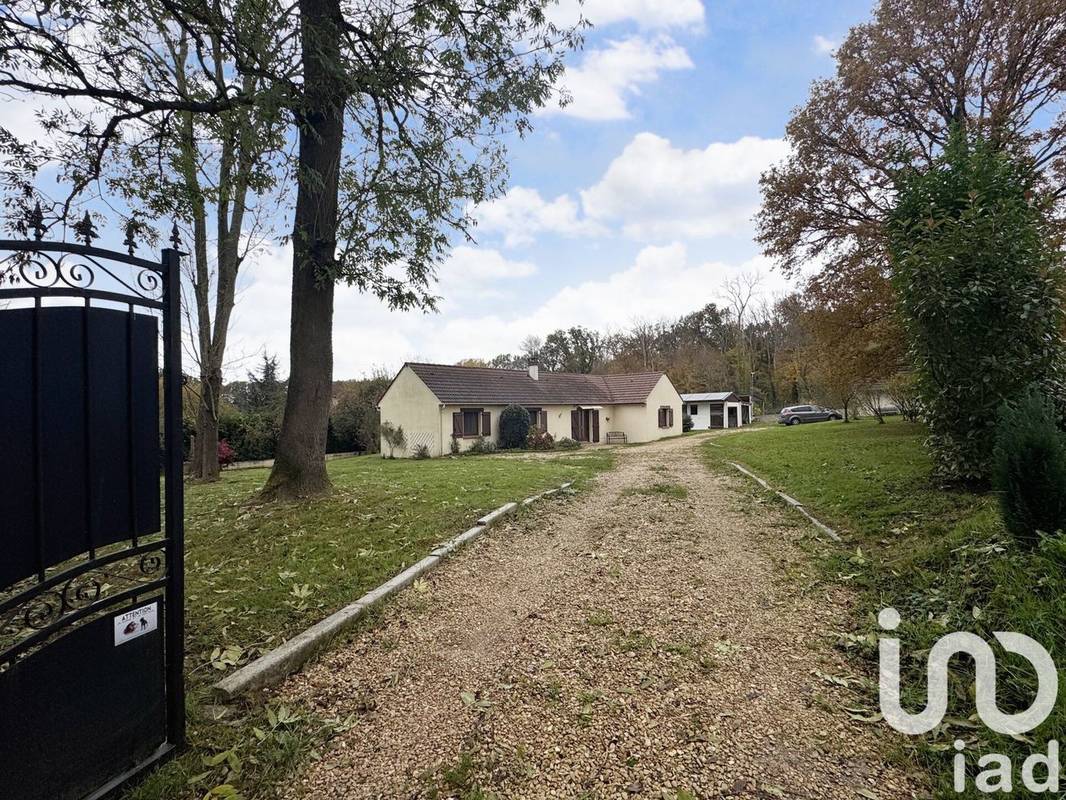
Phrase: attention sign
(137, 622)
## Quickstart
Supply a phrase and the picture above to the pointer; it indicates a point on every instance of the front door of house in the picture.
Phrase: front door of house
(585, 424)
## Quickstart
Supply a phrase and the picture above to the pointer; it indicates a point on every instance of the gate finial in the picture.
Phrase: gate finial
(175, 236)
(131, 236)
(36, 221)
(85, 230)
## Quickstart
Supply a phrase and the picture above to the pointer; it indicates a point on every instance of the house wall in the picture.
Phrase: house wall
(558, 423)
(640, 422)
(465, 442)
(410, 403)
(701, 421)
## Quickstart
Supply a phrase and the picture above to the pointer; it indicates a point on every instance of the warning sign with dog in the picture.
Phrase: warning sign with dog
(137, 622)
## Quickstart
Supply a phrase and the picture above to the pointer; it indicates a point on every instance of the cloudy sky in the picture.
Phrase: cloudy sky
(633, 201)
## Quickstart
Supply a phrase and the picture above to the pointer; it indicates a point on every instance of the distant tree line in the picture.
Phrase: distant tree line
(787, 350)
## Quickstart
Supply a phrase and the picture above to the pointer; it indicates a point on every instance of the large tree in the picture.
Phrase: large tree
(100, 74)
(902, 80)
(216, 174)
(575, 350)
(397, 110)
(155, 106)
(398, 127)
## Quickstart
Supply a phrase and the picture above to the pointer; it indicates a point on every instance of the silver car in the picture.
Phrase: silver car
(794, 415)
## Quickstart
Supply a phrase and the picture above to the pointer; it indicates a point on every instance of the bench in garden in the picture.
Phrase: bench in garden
(616, 437)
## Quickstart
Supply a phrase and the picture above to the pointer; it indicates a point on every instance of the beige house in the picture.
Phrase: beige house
(436, 404)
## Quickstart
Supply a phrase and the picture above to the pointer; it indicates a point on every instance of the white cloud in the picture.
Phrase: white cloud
(600, 85)
(477, 273)
(20, 118)
(482, 263)
(23, 111)
(645, 13)
(658, 191)
(522, 213)
(652, 190)
(660, 283)
(366, 333)
(824, 46)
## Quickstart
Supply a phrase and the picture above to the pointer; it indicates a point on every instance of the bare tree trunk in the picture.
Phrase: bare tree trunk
(205, 454)
(300, 461)
(236, 160)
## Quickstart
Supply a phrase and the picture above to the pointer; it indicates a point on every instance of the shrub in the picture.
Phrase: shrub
(422, 451)
(979, 281)
(394, 437)
(1030, 469)
(253, 437)
(566, 443)
(226, 454)
(902, 389)
(353, 417)
(454, 446)
(540, 440)
(482, 445)
(514, 427)
(686, 423)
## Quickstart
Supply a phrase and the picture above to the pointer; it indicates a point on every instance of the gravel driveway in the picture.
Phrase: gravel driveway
(626, 642)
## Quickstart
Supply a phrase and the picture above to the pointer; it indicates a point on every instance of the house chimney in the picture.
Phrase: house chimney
(534, 372)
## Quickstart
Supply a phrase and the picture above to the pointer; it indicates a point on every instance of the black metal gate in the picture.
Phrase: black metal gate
(91, 567)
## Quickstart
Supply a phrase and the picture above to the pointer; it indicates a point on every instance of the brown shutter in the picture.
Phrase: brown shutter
(575, 425)
(670, 417)
(486, 423)
(661, 418)
(457, 423)
(595, 426)
(542, 423)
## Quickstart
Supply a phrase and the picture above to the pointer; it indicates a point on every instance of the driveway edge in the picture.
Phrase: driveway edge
(792, 501)
(273, 667)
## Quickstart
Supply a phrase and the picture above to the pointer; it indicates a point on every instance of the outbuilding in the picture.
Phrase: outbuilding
(710, 410)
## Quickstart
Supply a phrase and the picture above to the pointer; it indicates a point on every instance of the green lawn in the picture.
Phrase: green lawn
(865, 478)
(939, 556)
(258, 574)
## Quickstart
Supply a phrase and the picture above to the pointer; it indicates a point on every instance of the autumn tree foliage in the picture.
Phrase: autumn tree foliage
(902, 81)
(851, 349)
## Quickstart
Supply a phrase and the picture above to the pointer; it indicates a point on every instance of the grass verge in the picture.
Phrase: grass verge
(258, 574)
(940, 557)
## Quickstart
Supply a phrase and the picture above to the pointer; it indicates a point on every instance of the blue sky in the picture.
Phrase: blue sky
(633, 202)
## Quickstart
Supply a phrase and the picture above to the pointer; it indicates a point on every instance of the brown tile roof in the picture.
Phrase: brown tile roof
(482, 385)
